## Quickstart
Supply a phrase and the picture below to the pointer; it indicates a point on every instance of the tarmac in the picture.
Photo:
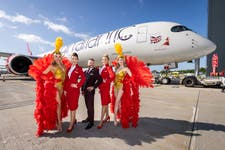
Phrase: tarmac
(172, 117)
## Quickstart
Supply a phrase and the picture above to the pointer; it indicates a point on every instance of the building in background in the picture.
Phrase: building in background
(216, 32)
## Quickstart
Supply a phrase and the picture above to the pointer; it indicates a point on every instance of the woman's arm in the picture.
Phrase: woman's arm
(62, 67)
(128, 71)
(48, 69)
(111, 74)
(131, 79)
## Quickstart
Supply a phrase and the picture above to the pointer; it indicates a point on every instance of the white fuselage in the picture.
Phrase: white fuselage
(155, 43)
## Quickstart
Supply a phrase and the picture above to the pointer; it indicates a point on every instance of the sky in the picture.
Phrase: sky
(39, 22)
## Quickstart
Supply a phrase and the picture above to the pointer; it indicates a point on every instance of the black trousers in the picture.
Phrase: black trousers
(89, 101)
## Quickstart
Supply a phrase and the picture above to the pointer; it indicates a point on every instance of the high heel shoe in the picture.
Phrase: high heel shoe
(107, 119)
(116, 123)
(100, 126)
(59, 127)
(71, 129)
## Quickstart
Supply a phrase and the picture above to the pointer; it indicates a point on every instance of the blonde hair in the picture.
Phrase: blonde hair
(124, 62)
(106, 56)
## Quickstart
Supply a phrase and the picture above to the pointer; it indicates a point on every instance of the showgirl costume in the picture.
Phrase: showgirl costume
(60, 77)
(119, 79)
(47, 85)
(141, 77)
(107, 75)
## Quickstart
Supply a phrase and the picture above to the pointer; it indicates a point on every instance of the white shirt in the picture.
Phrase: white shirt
(71, 70)
(100, 70)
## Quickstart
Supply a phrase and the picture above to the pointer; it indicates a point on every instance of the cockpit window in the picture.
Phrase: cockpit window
(179, 28)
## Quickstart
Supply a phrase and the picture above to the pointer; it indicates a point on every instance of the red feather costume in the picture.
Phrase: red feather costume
(46, 104)
(130, 104)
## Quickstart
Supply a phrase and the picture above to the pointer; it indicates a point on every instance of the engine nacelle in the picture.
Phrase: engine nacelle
(19, 64)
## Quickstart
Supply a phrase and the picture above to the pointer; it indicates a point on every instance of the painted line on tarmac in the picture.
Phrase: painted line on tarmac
(15, 105)
(194, 125)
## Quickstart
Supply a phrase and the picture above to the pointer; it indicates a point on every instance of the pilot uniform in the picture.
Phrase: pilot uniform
(92, 79)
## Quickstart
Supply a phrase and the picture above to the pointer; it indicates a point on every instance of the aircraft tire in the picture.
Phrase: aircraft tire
(190, 81)
(165, 80)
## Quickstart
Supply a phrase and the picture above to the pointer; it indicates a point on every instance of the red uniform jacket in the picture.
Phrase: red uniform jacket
(72, 94)
(108, 76)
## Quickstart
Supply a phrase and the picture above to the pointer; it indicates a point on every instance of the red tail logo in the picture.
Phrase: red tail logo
(167, 42)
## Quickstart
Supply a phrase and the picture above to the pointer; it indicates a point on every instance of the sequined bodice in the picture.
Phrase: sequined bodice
(119, 79)
(59, 76)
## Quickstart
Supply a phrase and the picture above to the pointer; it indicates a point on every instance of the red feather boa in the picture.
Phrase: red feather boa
(130, 100)
(46, 104)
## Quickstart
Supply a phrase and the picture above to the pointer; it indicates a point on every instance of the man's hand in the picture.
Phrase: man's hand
(90, 88)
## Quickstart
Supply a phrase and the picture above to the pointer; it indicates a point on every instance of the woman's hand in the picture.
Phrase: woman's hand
(131, 92)
(65, 93)
(74, 85)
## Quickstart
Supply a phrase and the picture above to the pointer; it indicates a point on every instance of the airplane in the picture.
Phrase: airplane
(155, 43)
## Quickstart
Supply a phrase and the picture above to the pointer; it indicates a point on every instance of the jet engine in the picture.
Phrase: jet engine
(19, 64)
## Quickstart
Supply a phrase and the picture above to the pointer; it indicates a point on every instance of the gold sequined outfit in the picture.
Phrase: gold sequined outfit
(119, 79)
(60, 77)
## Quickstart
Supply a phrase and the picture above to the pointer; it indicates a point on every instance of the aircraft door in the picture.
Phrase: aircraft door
(141, 34)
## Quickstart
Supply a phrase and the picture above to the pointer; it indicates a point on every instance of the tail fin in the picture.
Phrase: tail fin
(28, 49)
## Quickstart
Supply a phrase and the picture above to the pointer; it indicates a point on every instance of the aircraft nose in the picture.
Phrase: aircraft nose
(209, 46)
(206, 46)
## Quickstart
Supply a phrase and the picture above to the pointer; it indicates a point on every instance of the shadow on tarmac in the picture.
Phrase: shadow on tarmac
(148, 130)
(22, 79)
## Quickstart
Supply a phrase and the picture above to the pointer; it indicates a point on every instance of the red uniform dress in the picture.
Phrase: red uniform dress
(72, 94)
(107, 75)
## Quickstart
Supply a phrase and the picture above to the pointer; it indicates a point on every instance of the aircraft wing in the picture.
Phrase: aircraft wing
(4, 54)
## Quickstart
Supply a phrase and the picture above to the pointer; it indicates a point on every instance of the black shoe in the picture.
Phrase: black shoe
(84, 121)
(90, 125)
